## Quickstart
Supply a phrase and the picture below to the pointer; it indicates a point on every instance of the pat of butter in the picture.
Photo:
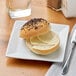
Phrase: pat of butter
(69, 8)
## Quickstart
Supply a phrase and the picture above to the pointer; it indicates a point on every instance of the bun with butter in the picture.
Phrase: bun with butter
(39, 46)
(39, 38)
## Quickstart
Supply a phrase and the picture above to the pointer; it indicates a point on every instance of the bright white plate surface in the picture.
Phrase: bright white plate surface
(17, 47)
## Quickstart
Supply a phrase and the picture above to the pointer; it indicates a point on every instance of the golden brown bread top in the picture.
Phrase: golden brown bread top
(34, 27)
(34, 24)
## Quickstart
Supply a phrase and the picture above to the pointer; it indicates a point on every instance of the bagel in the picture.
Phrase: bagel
(34, 27)
(43, 48)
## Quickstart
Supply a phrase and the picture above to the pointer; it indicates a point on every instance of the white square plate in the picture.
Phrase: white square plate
(17, 47)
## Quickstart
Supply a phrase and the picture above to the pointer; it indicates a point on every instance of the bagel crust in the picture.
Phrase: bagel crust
(34, 27)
